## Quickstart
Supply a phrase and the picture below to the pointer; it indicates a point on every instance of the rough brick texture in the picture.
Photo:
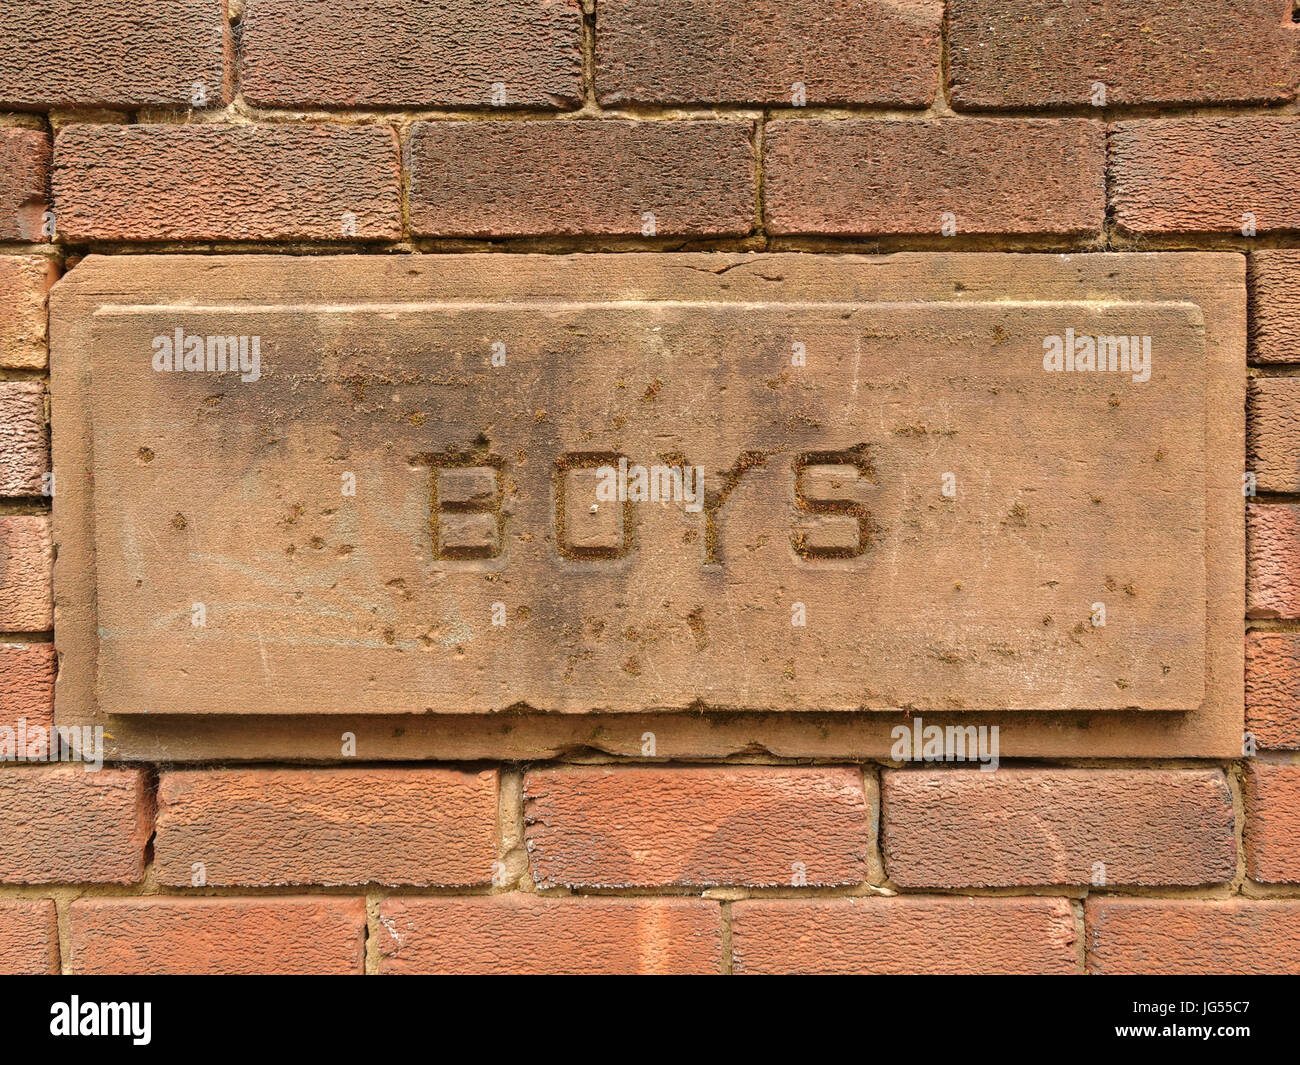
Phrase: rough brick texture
(65, 53)
(1199, 175)
(26, 684)
(24, 282)
(26, 560)
(762, 51)
(225, 936)
(24, 183)
(1273, 433)
(513, 179)
(327, 826)
(1272, 561)
(860, 176)
(65, 825)
(1273, 689)
(24, 443)
(402, 53)
(223, 182)
(904, 935)
(1192, 936)
(1273, 823)
(624, 827)
(430, 145)
(967, 828)
(1044, 53)
(29, 937)
(530, 934)
(1275, 306)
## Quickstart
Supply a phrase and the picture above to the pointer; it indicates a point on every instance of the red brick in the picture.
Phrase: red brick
(403, 53)
(327, 826)
(860, 177)
(649, 826)
(224, 936)
(531, 934)
(24, 182)
(24, 442)
(1273, 433)
(26, 562)
(220, 182)
(64, 825)
(1272, 561)
(26, 684)
(68, 53)
(904, 935)
(1275, 305)
(512, 179)
(1044, 53)
(968, 828)
(1273, 689)
(29, 937)
(754, 51)
(1192, 936)
(1205, 175)
(24, 282)
(1272, 839)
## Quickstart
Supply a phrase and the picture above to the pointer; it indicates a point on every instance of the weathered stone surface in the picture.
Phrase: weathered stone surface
(317, 600)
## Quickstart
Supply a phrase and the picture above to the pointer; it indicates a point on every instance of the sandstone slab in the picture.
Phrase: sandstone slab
(900, 508)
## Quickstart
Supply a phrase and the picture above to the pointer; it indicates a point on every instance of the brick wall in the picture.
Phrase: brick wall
(393, 127)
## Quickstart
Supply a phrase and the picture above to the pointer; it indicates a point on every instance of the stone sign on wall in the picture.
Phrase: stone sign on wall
(981, 484)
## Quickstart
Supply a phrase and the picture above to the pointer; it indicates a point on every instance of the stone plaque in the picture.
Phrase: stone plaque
(636, 483)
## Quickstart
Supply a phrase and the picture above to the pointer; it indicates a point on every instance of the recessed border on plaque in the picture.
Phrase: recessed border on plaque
(1214, 282)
